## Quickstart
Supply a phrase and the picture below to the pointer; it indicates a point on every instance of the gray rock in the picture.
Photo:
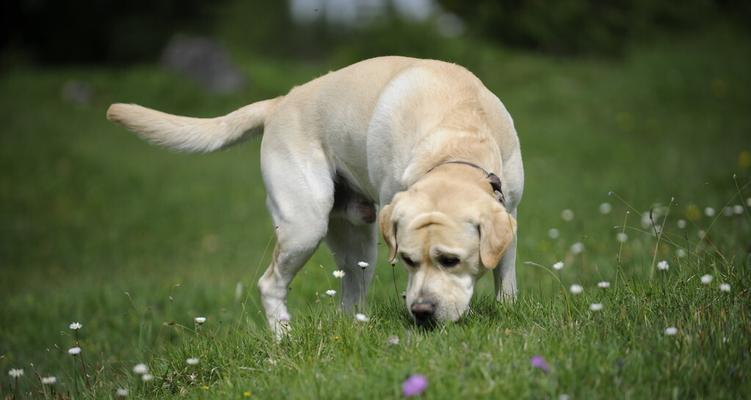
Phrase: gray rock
(203, 61)
(77, 92)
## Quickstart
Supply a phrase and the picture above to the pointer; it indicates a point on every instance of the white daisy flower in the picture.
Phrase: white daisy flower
(671, 330)
(121, 392)
(140, 369)
(362, 264)
(725, 287)
(567, 215)
(748, 201)
(605, 208)
(564, 396)
(15, 373)
(727, 211)
(192, 361)
(331, 292)
(701, 234)
(681, 223)
(621, 237)
(238, 291)
(663, 265)
(558, 266)
(338, 274)
(595, 306)
(680, 253)
(709, 211)
(646, 222)
(74, 326)
(603, 284)
(706, 279)
(49, 380)
(738, 209)
(74, 351)
(147, 377)
(553, 233)
(577, 247)
(576, 289)
(362, 317)
(393, 340)
(200, 320)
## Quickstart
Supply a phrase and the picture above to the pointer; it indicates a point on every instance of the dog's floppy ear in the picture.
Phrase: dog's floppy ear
(388, 230)
(497, 231)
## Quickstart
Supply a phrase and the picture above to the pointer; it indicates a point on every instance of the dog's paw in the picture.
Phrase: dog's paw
(281, 328)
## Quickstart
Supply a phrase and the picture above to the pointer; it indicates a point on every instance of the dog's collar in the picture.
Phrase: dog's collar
(493, 179)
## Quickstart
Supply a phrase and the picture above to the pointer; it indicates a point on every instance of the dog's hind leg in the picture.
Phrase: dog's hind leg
(298, 237)
(300, 197)
(352, 245)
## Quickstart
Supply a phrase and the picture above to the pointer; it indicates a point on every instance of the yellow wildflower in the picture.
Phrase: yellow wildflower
(719, 87)
(744, 159)
(692, 212)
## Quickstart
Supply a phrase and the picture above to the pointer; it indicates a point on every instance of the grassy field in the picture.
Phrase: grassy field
(134, 242)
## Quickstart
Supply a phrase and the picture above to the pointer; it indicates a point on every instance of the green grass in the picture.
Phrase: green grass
(134, 242)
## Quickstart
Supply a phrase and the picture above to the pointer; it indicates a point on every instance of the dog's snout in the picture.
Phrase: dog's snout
(424, 312)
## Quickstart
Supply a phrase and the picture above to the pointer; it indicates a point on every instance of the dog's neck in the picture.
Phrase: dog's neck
(459, 173)
(474, 147)
(434, 162)
(493, 180)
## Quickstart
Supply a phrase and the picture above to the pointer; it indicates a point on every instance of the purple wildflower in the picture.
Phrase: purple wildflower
(539, 363)
(414, 385)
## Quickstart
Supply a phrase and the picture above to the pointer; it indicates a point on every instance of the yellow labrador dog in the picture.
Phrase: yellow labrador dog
(423, 139)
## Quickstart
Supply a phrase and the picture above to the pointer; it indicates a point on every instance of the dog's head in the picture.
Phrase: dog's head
(447, 229)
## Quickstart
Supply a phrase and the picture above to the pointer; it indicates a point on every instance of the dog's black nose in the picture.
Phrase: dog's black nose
(424, 312)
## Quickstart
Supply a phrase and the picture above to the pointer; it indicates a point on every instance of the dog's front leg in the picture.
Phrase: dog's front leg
(505, 274)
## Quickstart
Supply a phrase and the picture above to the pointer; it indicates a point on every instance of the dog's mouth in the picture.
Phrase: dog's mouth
(424, 314)
(426, 324)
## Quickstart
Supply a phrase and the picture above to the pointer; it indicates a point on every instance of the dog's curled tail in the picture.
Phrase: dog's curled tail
(191, 134)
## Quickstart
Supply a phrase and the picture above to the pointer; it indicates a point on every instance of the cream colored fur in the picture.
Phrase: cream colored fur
(190, 134)
(378, 127)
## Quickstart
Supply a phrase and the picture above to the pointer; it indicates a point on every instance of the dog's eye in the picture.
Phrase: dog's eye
(448, 261)
(408, 261)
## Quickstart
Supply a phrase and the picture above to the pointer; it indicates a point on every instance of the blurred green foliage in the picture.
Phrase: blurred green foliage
(109, 31)
(268, 28)
(588, 26)
(85, 31)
